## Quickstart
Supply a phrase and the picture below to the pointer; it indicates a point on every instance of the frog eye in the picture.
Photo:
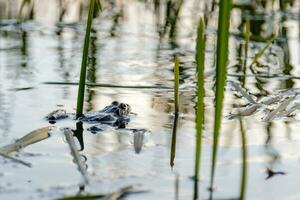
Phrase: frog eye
(122, 105)
(115, 103)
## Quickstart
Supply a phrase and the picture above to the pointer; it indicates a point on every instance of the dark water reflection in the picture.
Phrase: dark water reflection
(133, 43)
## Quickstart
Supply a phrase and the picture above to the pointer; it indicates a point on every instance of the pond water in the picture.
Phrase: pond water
(129, 49)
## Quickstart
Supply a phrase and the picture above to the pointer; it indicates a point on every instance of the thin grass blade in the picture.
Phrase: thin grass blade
(221, 65)
(247, 37)
(173, 143)
(200, 60)
(174, 17)
(81, 88)
(97, 8)
(176, 84)
(244, 158)
(261, 52)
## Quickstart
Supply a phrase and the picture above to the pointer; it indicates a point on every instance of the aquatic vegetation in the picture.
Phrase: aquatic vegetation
(133, 56)
(30, 5)
(176, 85)
(176, 105)
(174, 15)
(200, 60)
(247, 37)
(173, 141)
(173, 8)
(261, 52)
(221, 65)
(244, 160)
(81, 88)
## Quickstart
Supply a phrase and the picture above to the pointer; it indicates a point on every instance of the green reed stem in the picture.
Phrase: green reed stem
(173, 142)
(81, 88)
(244, 165)
(176, 84)
(222, 56)
(247, 37)
(261, 52)
(174, 18)
(200, 59)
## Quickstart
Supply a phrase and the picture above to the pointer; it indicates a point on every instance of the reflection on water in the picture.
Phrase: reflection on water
(78, 134)
(173, 144)
(134, 43)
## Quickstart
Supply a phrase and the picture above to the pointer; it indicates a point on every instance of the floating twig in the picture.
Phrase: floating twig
(30, 138)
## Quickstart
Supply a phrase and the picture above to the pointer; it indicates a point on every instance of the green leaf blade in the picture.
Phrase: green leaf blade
(221, 66)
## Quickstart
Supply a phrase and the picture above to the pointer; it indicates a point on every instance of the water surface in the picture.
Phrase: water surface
(128, 48)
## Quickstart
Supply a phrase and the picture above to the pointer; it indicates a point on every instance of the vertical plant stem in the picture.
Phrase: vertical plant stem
(174, 18)
(200, 59)
(222, 56)
(247, 36)
(176, 102)
(173, 142)
(196, 195)
(81, 88)
(176, 85)
(244, 165)
(261, 52)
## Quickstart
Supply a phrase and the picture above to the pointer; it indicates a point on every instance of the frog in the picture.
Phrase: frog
(115, 115)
